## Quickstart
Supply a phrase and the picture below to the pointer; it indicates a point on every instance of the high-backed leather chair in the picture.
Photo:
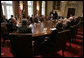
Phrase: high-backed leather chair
(56, 42)
(4, 33)
(74, 30)
(62, 38)
(21, 44)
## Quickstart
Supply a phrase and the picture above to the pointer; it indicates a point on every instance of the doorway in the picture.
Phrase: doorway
(71, 11)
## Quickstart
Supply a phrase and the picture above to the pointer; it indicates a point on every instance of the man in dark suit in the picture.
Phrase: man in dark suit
(31, 19)
(55, 15)
(51, 12)
(76, 20)
(3, 19)
(36, 19)
(10, 19)
(71, 21)
(59, 25)
(24, 28)
(66, 23)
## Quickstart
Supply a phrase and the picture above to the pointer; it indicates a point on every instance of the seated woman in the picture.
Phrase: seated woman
(51, 17)
(24, 28)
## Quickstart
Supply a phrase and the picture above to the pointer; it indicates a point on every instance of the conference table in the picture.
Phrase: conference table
(40, 29)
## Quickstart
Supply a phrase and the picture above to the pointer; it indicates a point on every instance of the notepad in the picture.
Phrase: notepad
(52, 28)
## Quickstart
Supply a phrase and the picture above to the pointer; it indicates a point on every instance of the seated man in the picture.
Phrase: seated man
(36, 19)
(12, 17)
(4, 32)
(55, 15)
(13, 23)
(31, 19)
(71, 21)
(24, 28)
(3, 19)
(76, 20)
(42, 18)
(59, 25)
(66, 23)
(28, 19)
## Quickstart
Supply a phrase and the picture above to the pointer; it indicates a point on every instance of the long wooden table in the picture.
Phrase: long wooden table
(48, 25)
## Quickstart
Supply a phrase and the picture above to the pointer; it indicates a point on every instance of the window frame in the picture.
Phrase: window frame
(43, 6)
(5, 8)
(31, 6)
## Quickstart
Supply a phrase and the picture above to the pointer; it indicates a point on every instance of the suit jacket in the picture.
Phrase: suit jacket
(31, 19)
(24, 29)
(36, 20)
(51, 13)
(59, 26)
(4, 20)
(55, 16)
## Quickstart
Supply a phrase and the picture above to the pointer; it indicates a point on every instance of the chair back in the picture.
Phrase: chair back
(62, 38)
(21, 44)
(79, 21)
(73, 30)
(4, 30)
(53, 35)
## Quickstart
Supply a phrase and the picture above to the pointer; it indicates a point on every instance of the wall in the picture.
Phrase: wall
(78, 8)
(70, 5)
(78, 5)
(49, 7)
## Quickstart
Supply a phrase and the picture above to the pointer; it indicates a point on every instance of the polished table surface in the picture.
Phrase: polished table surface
(40, 29)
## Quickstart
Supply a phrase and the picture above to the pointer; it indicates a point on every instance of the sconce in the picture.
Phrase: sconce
(37, 8)
(21, 5)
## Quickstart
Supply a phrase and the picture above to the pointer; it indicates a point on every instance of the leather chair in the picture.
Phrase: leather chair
(74, 30)
(56, 42)
(62, 38)
(21, 44)
(4, 34)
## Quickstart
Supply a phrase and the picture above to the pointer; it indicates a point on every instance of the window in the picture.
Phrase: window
(6, 2)
(43, 8)
(56, 5)
(30, 8)
(3, 10)
(9, 11)
(7, 8)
